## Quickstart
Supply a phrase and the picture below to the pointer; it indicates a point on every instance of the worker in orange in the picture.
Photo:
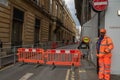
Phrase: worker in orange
(104, 48)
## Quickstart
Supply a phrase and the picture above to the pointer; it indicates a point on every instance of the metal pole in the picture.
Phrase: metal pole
(98, 23)
(14, 54)
(98, 36)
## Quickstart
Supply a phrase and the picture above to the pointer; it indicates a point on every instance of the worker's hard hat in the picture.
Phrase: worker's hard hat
(102, 30)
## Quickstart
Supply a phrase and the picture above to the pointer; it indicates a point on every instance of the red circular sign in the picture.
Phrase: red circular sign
(100, 5)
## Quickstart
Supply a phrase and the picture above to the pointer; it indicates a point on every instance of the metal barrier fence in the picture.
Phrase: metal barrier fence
(64, 57)
(8, 55)
(31, 55)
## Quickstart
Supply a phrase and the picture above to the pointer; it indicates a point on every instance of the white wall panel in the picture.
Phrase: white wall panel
(90, 29)
(112, 24)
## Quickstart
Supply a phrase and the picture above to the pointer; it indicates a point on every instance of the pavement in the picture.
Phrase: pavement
(87, 71)
(115, 77)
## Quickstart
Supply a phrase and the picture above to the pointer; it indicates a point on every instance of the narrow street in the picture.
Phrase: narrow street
(30, 71)
(59, 39)
(44, 72)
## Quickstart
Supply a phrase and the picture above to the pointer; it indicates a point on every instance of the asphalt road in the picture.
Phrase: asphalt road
(29, 71)
(33, 72)
(44, 72)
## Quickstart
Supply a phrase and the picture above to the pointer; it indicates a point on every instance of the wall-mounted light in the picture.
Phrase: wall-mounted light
(118, 12)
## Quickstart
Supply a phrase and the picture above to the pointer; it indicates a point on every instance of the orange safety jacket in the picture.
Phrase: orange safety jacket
(104, 58)
(106, 46)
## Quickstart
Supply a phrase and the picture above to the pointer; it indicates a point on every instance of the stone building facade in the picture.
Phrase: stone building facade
(24, 22)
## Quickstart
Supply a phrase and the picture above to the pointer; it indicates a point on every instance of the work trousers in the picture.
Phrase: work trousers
(104, 66)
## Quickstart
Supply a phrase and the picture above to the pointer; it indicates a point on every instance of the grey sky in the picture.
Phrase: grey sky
(71, 6)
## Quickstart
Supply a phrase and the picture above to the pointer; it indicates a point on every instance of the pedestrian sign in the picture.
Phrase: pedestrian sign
(86, 39)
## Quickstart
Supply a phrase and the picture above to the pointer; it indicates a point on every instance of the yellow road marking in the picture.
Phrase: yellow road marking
(67, 75)
(73, 75)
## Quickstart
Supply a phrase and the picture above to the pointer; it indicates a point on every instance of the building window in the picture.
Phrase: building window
(42, 3)
(56, 10)
(36, 32)
(18, 15)
(60, 12)
(51, 6)
(36, 1)
(37, 23)
(50, 1)
(63, 14)
(17, 27)
(50, 31)
(4, 2)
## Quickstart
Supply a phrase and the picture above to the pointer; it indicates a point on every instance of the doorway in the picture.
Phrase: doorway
(17, 26)
(36, 32)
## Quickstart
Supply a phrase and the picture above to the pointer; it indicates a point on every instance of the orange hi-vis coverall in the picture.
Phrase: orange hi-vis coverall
(104, 58)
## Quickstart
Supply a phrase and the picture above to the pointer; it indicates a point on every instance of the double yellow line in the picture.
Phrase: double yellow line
(72, 75)
(68, 76)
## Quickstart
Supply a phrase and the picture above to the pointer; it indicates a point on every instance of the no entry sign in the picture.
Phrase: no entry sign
(100, 5)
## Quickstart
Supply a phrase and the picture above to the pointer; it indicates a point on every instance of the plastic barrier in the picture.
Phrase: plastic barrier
(63, 57)
(31, 55)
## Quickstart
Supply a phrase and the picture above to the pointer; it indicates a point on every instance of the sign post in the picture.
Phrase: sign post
(98, 6)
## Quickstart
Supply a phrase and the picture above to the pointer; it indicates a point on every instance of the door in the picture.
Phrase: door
(17, 33)
(36, 32)
(17, 26)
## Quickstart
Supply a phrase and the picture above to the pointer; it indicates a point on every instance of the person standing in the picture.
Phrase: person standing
(84, 47)
(104, 48)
